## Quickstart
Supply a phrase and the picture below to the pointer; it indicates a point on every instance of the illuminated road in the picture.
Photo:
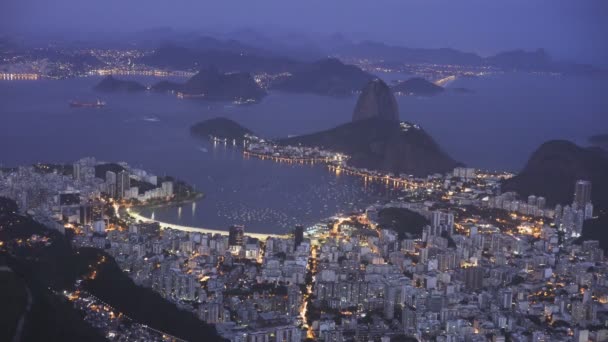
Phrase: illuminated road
(445, 81)
(164, 225)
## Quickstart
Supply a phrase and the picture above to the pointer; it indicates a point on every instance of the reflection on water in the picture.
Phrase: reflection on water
(281, 196)
(495, 127)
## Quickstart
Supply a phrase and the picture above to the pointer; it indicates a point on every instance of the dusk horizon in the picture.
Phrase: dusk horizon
(289, 171)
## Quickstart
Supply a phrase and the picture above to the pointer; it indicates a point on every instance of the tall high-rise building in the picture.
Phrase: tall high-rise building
(111, 183)
(446, 261)
(298, 235)
(86, 214)
(541, 202)
(506, 298)
(123, 183)
(582, 193)
(167, 188)
(464, 172)
(473, 278)
(390, 300)
(441, 221)
(408, 318)
(236, 235)
(110, 177)
(588, 210)
(76, 171)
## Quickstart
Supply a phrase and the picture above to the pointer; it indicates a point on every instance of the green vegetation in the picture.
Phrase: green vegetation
(142, 304)
(595, 229)
(403, 221)
(101, 169)
(221, 128)
(39, 266)
(554, 168)
(62, 169)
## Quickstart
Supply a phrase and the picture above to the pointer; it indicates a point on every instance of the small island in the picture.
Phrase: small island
(112, 84)
(417, 86)
(220, 128)
(212, 85)
(374, 140)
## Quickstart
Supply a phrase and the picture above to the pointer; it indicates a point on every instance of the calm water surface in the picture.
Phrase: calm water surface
(496, 127)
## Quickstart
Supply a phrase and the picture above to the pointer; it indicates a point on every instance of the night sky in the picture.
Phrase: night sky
(574, 30)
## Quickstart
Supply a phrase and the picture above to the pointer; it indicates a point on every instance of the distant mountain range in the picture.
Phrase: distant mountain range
(325, 77)
(226, 60)
(334, 78)
(519, 60)
(380, 51)
(328, 77)
(251, 51)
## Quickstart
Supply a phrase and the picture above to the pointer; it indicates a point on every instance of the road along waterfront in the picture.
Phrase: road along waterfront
(165, 225)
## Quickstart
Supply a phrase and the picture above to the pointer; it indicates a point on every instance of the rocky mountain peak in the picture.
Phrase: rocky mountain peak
(376, 101)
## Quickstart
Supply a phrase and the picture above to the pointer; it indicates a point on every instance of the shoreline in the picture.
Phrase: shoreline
(194, 199)
(165, 225)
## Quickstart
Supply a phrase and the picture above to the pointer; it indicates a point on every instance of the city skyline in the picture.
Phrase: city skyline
(569, 30)
(342, 171)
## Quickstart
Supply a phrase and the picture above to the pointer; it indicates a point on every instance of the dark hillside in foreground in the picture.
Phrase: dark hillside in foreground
(51, 318)
(142, 304)
(555, 166)
(552, 171)
(58, 266)
(597, 229)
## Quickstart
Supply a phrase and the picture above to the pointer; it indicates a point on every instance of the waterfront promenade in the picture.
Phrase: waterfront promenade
(165, 225)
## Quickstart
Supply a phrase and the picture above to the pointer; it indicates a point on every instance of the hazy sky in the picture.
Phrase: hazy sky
(574, 29)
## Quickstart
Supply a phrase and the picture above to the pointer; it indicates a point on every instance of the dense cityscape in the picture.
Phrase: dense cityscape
(477, 264)
(308, 171)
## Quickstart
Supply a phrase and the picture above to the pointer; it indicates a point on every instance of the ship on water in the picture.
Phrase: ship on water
(79, 104)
